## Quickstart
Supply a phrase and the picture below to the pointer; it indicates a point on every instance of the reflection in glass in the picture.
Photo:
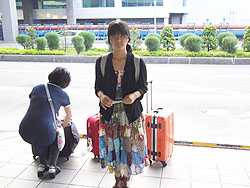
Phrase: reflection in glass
(97, 3)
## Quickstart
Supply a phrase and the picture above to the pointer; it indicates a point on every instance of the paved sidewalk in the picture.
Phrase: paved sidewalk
(189, 167)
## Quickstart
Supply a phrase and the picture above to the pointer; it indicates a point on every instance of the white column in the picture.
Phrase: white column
(71, 11)
(167, 7)
(9, 20)
(185, 19)
(118, 6)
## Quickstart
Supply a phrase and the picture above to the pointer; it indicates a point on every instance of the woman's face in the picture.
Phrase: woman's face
(119, 41)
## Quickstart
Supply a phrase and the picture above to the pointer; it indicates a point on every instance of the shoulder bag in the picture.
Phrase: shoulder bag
(58, 126)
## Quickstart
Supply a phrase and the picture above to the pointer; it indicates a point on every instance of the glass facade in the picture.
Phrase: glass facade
(50, 4)
(19, 4)
(97, 3)
(141, 3)
(179, 3)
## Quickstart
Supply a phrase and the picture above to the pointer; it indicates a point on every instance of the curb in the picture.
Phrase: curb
(201, 144)
(212, 145)
(147, 59)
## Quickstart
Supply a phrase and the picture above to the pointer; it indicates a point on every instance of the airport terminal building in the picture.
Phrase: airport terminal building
(15, 12)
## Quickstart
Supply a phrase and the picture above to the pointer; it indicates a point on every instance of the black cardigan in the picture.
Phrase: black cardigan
(107, 85)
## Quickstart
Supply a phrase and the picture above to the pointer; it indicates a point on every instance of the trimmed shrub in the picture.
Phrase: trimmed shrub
(153, 43)
(184, 37)
(40, 43)
(167, 38)
(135, 38)
(24, 40)
(246, 40)
(78, 42)
(229, 44)
(209, 38)
(89, 39)
(154, 35)
(221, 36)
(52, 41)
(193, 43)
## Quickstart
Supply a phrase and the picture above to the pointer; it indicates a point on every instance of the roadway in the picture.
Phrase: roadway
(211, 102)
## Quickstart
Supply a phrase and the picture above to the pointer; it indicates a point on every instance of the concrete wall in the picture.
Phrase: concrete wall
(235, 12)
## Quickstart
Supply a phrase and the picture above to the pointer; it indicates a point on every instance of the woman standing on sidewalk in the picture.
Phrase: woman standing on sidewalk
(121, 134)
(37, 126)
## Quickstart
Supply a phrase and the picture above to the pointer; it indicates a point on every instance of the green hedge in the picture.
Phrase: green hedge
(30, 51)
(100, 51)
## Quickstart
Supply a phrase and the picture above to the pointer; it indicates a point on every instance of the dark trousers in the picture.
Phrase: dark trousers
(53, 154)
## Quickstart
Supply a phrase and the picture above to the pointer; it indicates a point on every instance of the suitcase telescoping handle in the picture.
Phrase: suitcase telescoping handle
(150, 83)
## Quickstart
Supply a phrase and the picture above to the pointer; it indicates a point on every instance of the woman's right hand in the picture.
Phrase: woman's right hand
(106, 102)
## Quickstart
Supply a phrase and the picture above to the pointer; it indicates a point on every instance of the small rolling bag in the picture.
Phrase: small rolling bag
(93, 133)
(160, 133)
(72, 138)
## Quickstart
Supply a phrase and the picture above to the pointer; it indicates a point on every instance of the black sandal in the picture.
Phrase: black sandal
(53, 171)
(41, 170)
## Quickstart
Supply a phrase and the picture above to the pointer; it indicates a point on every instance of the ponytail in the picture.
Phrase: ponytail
(129, 48)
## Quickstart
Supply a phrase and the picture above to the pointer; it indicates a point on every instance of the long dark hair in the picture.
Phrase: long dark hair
(119, 27)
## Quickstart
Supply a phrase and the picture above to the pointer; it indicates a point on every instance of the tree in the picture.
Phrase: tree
(89, 39)
(246, 40)
(32, 33)
(52, 41)
(209, 38)
(24, 40)
(167, 37)
(78, 42)
(135, 39)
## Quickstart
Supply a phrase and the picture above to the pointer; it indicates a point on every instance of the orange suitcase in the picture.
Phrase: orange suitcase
(160, 133)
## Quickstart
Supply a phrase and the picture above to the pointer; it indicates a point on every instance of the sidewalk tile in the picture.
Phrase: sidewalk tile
(205, 175)
(145, 182)
(202, 157)
(50, 185)
(93, 165)
(23, 158)
(234, 177)
(5, 181)
(29, 173)
(22, 183)
(88, 178)
(11, 170)
(234, 186)
(176, 172)
(108, 180)
(72, 163)
(174, 183)
(152, 171)
(196, 184)
(65, 177)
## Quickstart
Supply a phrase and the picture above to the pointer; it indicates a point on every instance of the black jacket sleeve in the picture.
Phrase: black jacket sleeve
(142, 81)
(98, 76)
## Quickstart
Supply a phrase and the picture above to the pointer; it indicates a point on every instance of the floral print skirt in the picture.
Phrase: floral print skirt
(122, 144)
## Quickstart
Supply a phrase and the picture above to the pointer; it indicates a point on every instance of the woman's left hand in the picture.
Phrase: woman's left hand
(130, 98)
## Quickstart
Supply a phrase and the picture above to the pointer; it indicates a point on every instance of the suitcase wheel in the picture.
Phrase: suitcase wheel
(150, 161)
(164, 164)
(97, 157)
